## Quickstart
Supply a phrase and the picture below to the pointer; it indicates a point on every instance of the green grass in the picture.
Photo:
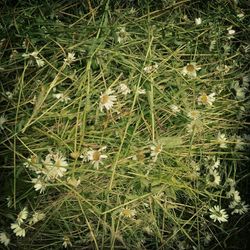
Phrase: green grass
(166, 198)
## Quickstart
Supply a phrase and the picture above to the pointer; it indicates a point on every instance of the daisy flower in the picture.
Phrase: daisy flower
(218, 214)
(193, 114)
(55, 164)
(221, 140)
(141, 91)
(4, 239)
(239, 143)
(2, 121)
(22, 216)
(107, 100)
(213, 178)
(36, 217)
(9, 94)
(230, 32)
(70, 58)
(73, 182)
(39, 184)
(239, 207)
(128, 213)
(18, 230)
(223, 68)
(195, 126)
(96, 157)
(175, 109)
(198, 21)
(66, 241)
(236, 196)
(205, 99)
(61, 97)
(124, 89)
(122, 35)
(155, 150)
(190, 70)
(150, 69)
(215, 165)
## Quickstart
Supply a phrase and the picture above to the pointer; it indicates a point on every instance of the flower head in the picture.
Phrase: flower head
(36, 217)
(150, 69)
(218, 214)
(55, 165)
(70, 58)
(2, 121)
(193, 114)
(239, 207)
(66, 241)
(205, 99)
(221, 140)
(19, 231)
(61, 97)
(122, 35)
(39, 184)
(213, 178)
(4, 239)
(22, 216)
(175, 109)
(124, 89)
(128, 213)
(107, 100)
(96, 157)
(73, 181)
(190, 70)
(198, 21)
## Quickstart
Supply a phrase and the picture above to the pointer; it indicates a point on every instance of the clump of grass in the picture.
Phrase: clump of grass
(123, 129)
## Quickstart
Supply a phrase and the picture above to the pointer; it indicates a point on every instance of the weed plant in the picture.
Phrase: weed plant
(124, 124)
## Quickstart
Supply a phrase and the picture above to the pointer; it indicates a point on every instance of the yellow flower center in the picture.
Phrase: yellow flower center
(204, 99)
(96, 156)
(127, 212)
(190, 68)
(104, 99)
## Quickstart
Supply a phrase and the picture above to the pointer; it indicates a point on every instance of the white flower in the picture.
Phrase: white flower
(55, 165)
(9, 94)
(222, 140)
(36, 217)
(124, 89)
(107, 100)
(239, 207)
(73, 181)
(155, 150)
(61, 97)
(223, 68)
(195, 126)
(236, 196)
(2, 121)
(175, 109)
(212, 45)
(128, 213)
(18, 230)
(230, 32)
(150, 69)
(198, 21)
(121, 35)
(40, 184)
(193, 114)
(215, 165)
(22, 216)
(141, 91)
(213, 178)
(4, 239)
(218, 214)
(40, 63)
(66, 241)
(208, 238)
(205, 99)
(96, 157)
(190, 70)
(70, 58)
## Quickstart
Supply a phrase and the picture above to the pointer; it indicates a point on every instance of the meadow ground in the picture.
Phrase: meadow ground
(124, 124)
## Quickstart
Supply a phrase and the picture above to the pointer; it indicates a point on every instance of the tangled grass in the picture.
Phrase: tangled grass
(124, 126)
